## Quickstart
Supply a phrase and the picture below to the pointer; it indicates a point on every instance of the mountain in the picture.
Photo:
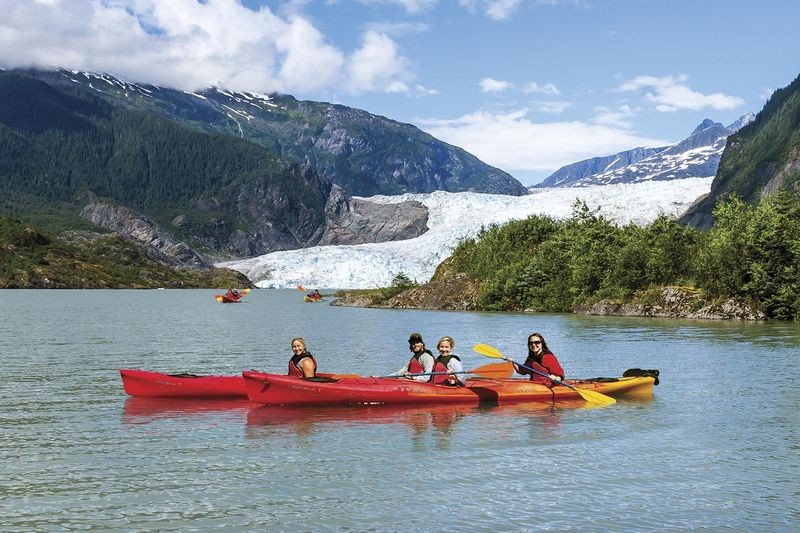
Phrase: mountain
(73, 158)
(365, 154)
(760, 158)
(696, 156)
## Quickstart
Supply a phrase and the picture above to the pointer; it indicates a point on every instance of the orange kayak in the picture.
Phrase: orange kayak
(278, 389)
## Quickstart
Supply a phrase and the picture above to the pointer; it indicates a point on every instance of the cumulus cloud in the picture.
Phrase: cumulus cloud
(620, 117)
(377, 65)
(672, 94)
(190, 44)
(515, 143)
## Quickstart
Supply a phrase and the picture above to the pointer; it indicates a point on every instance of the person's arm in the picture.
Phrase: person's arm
(427, 366)
(457, 368)
(307, 366)
(552, 365)
(402, 370)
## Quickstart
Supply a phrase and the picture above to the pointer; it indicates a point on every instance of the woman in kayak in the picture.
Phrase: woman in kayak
(542, 359)
(302, 363)
(421, 361)
(448, 362)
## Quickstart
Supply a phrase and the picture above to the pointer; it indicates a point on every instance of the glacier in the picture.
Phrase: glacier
(457, 216)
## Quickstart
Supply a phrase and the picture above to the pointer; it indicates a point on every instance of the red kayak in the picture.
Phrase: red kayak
(275, 389)
(156, 384)
(230, 298)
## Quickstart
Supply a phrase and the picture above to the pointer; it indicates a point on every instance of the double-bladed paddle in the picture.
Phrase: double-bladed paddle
(492, 370)
(588, 395)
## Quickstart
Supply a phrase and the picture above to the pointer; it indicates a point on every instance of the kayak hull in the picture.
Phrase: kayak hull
(275, 389)
(144, 383)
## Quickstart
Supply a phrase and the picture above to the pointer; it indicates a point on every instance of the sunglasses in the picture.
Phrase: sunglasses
(534, 342)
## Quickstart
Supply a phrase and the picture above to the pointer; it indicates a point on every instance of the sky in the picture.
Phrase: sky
(456, 216)
(525, 85)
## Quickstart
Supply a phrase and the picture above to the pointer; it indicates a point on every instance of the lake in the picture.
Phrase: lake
(717, 448)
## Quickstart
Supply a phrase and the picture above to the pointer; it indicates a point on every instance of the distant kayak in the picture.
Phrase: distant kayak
(157, 385)
(310, 299)
(231, 299)
(275, 389)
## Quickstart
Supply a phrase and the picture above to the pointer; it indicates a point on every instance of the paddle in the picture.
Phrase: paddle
(301, 288)
(492, 370)
(588, 395)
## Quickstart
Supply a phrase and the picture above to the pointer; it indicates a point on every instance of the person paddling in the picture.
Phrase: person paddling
(448, 362)
(542, 359)
(302, 364)
(421, 360)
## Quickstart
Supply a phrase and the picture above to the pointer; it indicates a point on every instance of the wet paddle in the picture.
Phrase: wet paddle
(588, 395)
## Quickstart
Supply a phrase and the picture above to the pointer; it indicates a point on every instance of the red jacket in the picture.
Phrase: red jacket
(549, 365)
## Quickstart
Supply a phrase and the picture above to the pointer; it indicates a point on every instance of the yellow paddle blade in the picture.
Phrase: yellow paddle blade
(301, 288)
(244, 291)
(488, 351)
(494, 370)
(218, 298)
(594, 397)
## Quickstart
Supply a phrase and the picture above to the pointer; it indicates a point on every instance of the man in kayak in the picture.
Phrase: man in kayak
(542, 359)
(232, 294)
(302, 363)
(448, 362)
(421, 360)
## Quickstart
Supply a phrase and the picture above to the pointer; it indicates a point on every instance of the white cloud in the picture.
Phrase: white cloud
(547, 88)
(411, 6)
(191, 44)
(377, 65)
(619, 118)
(491, 85)
(766, 93)
(671, 94)
(515, 143)
(554, 107)
(501, 9)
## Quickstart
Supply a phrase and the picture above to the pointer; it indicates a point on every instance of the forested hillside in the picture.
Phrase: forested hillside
(759, 159)
(363, 153)
(61, 149)
(30, 259)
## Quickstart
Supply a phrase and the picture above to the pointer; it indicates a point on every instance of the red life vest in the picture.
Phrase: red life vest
(415, 367)
(294, 364)
(441, 366)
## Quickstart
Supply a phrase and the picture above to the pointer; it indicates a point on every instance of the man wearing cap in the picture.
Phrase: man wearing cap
(421, 362)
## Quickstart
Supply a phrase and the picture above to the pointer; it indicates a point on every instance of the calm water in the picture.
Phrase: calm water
(717, 448)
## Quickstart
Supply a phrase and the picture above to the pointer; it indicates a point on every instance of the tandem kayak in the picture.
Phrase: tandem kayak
(158, 385)
(310, 299)
(275, 389)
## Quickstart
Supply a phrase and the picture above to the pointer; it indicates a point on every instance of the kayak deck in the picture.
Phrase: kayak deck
(145, 383)
(274, 389)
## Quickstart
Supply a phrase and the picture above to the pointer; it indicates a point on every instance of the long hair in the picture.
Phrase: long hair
(545, 349)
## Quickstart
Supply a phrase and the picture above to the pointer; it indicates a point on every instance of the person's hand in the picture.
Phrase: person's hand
(555, 378)
(406, 375)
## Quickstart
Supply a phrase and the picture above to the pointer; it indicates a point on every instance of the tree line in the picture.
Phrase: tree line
(752, 253)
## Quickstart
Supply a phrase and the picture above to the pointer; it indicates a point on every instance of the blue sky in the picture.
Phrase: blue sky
(526, 85)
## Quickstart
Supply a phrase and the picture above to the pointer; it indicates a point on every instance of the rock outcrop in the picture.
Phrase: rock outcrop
(356, 221)
(159, 244)
(675, 302)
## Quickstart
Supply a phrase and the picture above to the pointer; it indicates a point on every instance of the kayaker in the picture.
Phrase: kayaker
(302, 363)
(232, 294)
(316, 295)
(542, 359)
(448, 362)
(421, 361)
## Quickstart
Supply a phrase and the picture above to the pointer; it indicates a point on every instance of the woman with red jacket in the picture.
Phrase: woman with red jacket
(542, 359)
